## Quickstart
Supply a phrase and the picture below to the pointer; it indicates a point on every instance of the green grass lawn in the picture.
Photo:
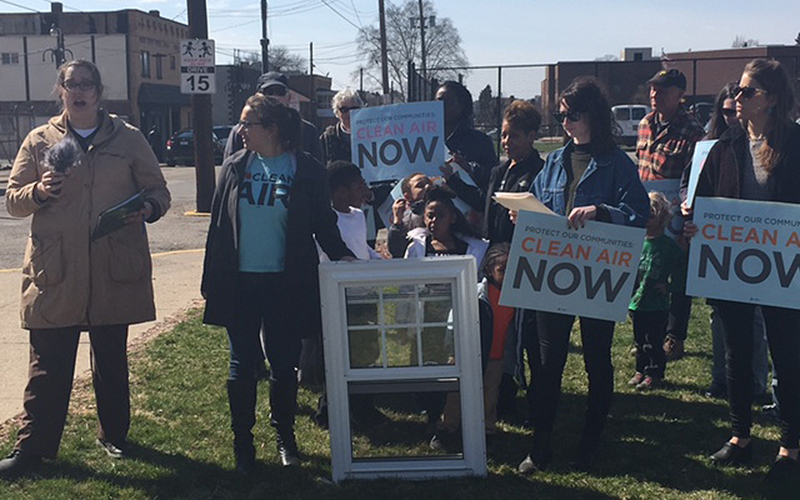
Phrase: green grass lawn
(655, 445)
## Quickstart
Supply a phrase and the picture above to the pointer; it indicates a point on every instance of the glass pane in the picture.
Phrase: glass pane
(638, 113)
(362, 306)
(437, 303)
(399, 306)
(437, 346)
(365, 349)
(622, 114)
(401, 347)
(392, 420)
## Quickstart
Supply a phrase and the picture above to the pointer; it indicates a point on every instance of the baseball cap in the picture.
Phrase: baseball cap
(269, 79)
(669, 78)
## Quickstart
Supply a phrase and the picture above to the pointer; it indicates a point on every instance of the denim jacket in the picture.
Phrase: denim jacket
(611, 182)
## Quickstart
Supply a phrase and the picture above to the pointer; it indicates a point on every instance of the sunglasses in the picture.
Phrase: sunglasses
(274, 91)
(346, 109)
(572, 116)
(72, 85)
(728, 111)
(747, 92)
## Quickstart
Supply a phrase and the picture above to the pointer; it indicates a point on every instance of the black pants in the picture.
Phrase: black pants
(679, 312)
(50, 371)
(554, 332)
(262, 306)
(783, 337)
(649, 329)
(530, 344)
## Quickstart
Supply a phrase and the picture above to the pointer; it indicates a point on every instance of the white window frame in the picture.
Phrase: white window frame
(461, 271)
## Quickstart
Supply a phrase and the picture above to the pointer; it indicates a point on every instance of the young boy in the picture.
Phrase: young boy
(348, 192)
(407, 212)
(662, 267)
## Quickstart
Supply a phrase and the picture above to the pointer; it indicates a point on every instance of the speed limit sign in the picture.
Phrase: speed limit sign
(197, 67)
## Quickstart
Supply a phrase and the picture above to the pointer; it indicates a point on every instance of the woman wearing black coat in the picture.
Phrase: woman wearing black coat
(260, 268)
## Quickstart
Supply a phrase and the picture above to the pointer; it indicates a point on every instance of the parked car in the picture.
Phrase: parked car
(702, 111)
(180, 148)
(628, 117)
(222, 132)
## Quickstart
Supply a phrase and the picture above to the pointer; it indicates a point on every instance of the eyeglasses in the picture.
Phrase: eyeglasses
(728, 111)
(747, 92)
(275, 91)
(245, 125)
(84, 86)
(347, 109)
(572, 116)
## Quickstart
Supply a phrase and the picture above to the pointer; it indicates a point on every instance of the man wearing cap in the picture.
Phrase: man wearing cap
(274, 84)
(667, 136)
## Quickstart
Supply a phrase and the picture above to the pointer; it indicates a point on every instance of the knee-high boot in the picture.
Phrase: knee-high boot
(242, 400)
(283, 404)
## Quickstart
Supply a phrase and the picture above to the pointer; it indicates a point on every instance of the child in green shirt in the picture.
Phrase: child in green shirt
(662, 267)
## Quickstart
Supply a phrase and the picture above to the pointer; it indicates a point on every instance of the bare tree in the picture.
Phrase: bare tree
(797, 40)
(740, 42)
(442, 45)
(280, 59)
(607, 57)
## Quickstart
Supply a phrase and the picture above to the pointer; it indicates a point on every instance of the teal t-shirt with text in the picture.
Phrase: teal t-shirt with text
(263, 212)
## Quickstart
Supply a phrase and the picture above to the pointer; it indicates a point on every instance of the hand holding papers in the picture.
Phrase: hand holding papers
(113, 218)
(521, 201)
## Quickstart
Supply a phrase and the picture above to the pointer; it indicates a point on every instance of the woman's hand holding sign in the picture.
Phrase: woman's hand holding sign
(579, 215)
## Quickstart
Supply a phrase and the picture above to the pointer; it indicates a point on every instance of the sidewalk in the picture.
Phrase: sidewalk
(176, 279)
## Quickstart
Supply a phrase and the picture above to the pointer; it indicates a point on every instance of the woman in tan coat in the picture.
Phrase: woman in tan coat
(73, 280)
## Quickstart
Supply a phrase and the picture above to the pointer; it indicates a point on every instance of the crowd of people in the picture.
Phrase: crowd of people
(287, 198)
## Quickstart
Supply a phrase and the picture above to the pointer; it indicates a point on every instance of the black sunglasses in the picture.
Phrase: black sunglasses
(275, 91)
(747, 92)
(347, 109)
(572, 116)
(84, 86)
(728, 111)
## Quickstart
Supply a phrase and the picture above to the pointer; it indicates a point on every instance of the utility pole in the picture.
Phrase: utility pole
(384, 55)
(264, 39)
(201, 116)
(422, 40)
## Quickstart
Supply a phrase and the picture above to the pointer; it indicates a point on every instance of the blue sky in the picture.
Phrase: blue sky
(492, 32)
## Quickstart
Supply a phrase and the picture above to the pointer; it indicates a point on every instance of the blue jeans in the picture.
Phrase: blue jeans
(760, 357)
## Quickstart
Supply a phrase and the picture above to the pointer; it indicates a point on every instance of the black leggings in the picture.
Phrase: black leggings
(783, 337)
(554, 331)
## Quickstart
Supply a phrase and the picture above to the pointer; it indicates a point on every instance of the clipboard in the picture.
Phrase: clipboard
(113, 218)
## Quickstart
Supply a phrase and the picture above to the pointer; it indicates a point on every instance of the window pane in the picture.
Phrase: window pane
(622, 114)
(362, 306)
(365, 348)
(638, 113)
(401, 347)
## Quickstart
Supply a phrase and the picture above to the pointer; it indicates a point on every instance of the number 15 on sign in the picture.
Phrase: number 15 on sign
(198, 83)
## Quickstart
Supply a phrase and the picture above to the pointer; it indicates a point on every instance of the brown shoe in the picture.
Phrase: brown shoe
(673, 348)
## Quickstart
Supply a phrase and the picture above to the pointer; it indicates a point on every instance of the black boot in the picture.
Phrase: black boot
(283, 402)
(18, 463)
(242, 400)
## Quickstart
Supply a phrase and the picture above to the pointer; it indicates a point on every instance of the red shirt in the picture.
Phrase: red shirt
(501, 319)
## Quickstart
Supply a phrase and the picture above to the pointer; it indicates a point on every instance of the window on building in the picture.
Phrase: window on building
(637, 56)
(10, 58)
(171, 62)
(159, 69)
(146, 64)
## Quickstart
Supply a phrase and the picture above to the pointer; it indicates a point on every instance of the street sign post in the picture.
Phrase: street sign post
(197, 67)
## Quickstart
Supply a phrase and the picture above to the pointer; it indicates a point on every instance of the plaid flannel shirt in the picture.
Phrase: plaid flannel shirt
(667, 154)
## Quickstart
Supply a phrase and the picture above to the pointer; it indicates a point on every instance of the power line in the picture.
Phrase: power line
(20, 6)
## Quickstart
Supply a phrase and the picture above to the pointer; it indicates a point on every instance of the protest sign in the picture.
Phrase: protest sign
(391, 142)
(587, 272)
(670, 188)
(701, 150)
(746, 251)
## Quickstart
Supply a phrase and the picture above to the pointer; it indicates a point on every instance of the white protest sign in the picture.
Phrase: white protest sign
(746, 251)
(391, 142)
(701, 150)
(588, 272)
(671, 189)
